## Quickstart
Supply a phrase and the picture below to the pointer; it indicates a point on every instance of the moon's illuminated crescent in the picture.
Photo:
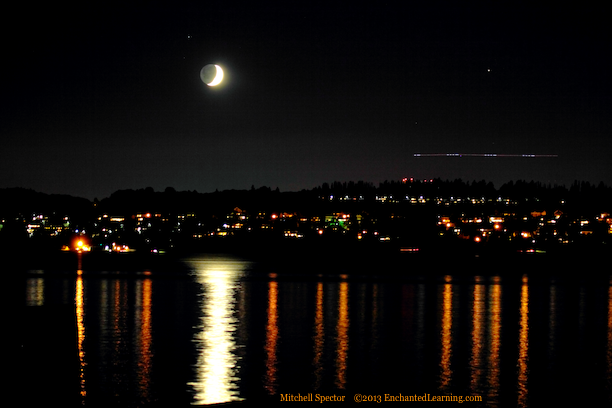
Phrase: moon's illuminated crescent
(211, 75)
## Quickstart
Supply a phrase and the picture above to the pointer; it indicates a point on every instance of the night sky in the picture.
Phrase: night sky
(101, 97)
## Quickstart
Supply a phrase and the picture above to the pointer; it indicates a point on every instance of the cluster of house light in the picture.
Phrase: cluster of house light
(478, 228)
(532, 227)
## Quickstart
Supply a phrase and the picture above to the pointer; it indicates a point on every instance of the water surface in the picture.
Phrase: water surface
(230, 331)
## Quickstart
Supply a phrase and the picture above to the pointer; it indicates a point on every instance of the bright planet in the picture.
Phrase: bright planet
(211, 74)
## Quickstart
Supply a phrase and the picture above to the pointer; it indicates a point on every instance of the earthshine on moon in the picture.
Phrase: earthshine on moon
(211, 74)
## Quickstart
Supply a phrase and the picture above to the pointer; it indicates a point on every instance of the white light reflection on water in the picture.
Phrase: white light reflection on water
(216, 369)
(35, 292)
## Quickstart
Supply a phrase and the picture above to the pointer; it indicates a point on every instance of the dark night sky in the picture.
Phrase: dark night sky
(106, 97)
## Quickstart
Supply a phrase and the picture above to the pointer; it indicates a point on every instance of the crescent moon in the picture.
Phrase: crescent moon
(218, 77)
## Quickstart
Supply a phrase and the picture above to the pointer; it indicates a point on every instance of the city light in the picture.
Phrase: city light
(408, 208)
(81, 244)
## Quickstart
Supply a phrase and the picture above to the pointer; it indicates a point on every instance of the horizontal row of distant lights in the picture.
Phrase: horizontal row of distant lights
(481, 155)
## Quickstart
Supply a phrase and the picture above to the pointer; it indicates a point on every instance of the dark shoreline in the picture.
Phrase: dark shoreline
(305, 259)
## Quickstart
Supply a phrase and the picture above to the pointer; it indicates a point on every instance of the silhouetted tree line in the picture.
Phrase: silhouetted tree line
(579, 192)
(14, 201)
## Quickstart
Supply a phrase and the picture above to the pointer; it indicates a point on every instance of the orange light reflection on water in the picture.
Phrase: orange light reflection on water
(80, 316)
(270, 381)
(342, 338)
(523, 359)
(478, 324)
(145, 336)
(493, 373)
(446, 335)
(609, 345)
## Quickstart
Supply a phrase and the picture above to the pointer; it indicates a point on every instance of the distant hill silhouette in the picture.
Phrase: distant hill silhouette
(24, 201)
(583, 195)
